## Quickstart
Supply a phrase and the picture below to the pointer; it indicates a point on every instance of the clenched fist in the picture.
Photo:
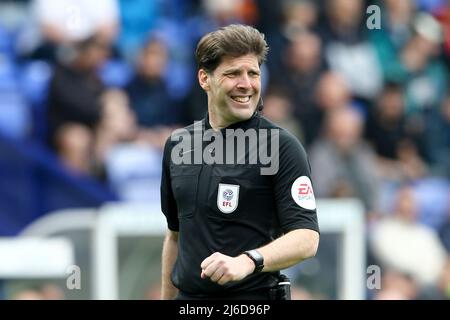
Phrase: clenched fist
(222, 269)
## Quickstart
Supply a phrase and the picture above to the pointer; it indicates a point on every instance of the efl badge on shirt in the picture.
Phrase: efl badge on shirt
(227, 197)
(303, 194)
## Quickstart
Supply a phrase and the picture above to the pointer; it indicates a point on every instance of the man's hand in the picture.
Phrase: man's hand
(222, 269)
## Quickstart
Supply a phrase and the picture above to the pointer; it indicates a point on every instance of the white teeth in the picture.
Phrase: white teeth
(242, 99)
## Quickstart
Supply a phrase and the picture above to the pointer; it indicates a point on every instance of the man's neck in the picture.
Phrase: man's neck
(216, 122)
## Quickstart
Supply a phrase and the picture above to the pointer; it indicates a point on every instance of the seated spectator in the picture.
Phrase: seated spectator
(57, 24)
(299, 16)
(399, 241)
(73, 143)
(388, 41)
(419, 68)
(117, 125)
(390, 134)
(155, 110)
(278, 108)
(423, 72)
(131, 163)
(386, 121)
(330, 93)
(347, 50)
(300, 75)
(397, 286)
(73, 103)
(342, 164)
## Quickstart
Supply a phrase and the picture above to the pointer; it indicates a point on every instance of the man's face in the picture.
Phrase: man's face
(233, 89)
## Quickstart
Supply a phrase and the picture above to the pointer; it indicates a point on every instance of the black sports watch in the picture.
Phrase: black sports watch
(257, 259)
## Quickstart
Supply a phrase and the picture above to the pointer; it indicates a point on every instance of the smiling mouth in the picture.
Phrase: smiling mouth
(241, 99)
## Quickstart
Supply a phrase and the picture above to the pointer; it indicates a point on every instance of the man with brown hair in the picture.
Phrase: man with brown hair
(225, 217)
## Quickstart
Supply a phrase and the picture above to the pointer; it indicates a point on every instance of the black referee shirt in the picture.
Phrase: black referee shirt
(231, 208)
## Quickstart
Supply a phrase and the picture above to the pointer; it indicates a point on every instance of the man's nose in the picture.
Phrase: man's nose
(244, 81)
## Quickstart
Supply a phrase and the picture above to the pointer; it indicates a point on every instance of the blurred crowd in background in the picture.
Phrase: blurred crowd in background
(103, 84)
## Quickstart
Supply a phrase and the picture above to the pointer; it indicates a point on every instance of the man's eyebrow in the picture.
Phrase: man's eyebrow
(235, 70)
(232, 70)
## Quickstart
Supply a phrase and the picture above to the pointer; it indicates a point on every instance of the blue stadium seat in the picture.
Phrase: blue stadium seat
(116, 73)
(15, 120)
(8, 74)
(34, 79)
(134, 172)
(6, 42)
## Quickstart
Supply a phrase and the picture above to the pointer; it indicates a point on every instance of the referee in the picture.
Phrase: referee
(237, 213)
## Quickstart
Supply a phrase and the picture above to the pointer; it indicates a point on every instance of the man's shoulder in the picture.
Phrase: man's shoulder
(179, 133)
(194, 125)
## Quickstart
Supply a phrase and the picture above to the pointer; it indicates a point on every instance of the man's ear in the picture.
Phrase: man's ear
(203, 79)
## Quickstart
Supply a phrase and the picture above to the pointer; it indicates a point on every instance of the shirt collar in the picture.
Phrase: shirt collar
(245, 124)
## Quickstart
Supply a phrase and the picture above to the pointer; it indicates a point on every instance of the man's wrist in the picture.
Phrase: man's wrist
(257, 258)
(249, 262)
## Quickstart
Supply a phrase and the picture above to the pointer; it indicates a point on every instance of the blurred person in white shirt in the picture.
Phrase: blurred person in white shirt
(54, 24)
(400, 242)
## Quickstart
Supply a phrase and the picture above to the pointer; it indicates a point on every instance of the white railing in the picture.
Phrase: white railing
(108, 223)
(35, 257)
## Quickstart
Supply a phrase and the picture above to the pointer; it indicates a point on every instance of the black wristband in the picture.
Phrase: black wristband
(257, 259)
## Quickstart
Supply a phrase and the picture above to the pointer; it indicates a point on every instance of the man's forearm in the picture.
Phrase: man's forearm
(292, 248)
(169, 256)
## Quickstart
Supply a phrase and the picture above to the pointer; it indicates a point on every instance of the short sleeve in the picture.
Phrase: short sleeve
(168, 203)
(293, 188)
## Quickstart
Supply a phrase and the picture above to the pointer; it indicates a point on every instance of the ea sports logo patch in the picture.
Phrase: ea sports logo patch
(303, 194)
(227, 197)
